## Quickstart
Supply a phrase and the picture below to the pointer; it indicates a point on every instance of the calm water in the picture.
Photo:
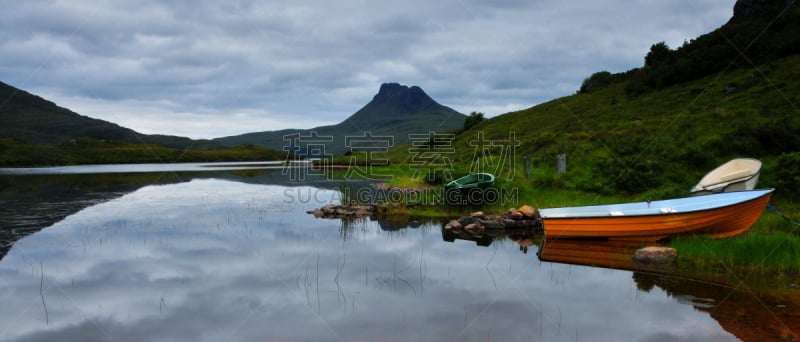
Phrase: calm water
(231, 256)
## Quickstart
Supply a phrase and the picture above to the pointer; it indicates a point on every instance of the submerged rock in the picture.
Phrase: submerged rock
(655, 255)
(347, 211)
(492, 223)
(453, 224)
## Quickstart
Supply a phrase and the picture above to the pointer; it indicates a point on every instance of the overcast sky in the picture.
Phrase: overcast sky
(211, 69)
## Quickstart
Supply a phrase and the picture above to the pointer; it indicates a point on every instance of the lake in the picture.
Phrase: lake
(228, 253)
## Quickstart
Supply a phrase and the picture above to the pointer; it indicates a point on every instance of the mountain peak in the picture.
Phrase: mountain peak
(412, 99)
(396, 110)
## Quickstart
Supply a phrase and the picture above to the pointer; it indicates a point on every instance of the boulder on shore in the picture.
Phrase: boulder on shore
(512, 219)
(528, 211)
(477, 214)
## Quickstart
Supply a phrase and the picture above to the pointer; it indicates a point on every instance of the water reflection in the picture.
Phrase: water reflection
(223, 259)
(524, 237)
(350, 228)
(33, 200)
(599, 253)
(738, 307)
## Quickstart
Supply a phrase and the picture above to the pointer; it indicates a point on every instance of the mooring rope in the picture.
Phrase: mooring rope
(774, 210)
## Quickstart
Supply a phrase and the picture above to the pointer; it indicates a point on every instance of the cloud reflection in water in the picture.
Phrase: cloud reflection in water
(220, 260)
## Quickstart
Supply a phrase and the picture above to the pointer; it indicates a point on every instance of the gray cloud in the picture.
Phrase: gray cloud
(197, 69)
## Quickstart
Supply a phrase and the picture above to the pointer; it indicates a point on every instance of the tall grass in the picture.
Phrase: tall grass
(771, 246)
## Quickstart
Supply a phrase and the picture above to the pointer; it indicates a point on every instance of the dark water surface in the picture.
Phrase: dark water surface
(231, 256)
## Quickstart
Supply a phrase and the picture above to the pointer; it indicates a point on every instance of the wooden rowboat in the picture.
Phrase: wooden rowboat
(735, 175)
(716, 215)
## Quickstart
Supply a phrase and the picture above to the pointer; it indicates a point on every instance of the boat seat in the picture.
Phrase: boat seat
(734, 175)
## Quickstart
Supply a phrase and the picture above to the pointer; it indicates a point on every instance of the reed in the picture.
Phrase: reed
(771, 246)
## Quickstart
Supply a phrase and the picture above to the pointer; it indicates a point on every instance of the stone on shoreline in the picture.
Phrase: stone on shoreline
(525, 217)
(528, 211)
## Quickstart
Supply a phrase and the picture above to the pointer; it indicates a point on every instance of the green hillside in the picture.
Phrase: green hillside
(661, 141)
(396, 111)
(626, 134)
(30, 118)
(37, 132)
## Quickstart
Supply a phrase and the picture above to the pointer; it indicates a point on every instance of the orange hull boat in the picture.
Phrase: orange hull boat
(716, 215)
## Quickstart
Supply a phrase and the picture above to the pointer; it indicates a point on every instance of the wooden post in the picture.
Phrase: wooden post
(527, 166)
(562, 163)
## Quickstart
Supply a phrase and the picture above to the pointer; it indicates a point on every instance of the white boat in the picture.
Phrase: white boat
(736, 175)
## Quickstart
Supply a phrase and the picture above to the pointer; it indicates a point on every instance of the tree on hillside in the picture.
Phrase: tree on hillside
(473, 119)
(658, 71)
(658, 55)
(596, 81)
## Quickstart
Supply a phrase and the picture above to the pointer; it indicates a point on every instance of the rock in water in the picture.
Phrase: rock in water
(493, 223)
(655, 255)
(454, 224)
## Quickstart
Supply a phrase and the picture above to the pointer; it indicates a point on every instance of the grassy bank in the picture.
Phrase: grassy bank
(775, 254)
(771, 247)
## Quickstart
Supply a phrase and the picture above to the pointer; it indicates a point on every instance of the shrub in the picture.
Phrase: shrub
(473, 119)
(787, 174)
(596, 81)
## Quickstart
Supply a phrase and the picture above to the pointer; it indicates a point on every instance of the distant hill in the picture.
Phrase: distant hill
(655, 131)
(30, 118)
(396, 110)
